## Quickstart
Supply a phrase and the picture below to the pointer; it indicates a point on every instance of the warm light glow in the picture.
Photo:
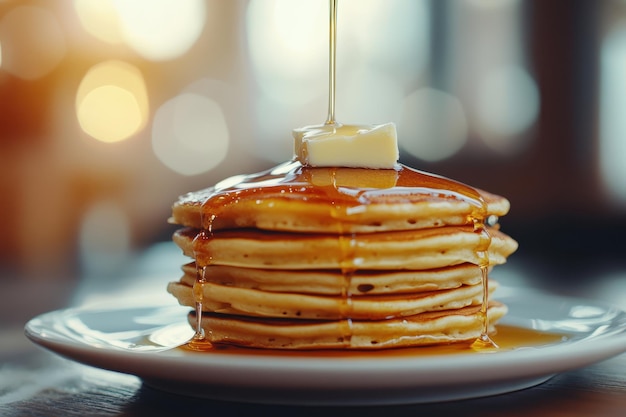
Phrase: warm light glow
(288, 45)
(112, 102)
(109, 113)
(156, 29)
(100, 19)
(190, 134)
(291, 30)
(507, 104)
(161, 29)
(433, 125)
(33, 43)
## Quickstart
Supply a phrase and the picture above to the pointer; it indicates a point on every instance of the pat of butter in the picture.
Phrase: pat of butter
(351, 146)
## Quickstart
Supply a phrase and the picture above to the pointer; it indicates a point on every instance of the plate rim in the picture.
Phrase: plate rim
(280, 373)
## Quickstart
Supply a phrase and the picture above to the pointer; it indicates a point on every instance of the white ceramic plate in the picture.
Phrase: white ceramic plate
(123, 339)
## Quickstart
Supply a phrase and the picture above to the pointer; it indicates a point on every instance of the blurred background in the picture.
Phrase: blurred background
(110, 109)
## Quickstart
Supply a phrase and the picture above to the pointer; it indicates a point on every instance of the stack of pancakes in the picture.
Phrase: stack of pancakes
(320, 258)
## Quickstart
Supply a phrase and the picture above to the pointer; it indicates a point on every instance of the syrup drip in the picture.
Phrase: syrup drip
(199, 341)
(484, 341)
(347, 244)
(346, 306)
(198, 295)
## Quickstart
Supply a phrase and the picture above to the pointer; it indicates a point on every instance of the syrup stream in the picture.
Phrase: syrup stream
(484, 342)
(331, 62)
(347, 244)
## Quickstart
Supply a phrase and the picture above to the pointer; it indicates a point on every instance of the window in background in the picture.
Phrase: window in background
(612, 132)
(487, 68)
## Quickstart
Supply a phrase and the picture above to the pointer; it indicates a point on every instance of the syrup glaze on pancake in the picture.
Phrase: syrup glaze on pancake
(291, 197)
(338, 198)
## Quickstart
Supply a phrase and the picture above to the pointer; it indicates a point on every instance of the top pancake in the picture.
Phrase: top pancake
(336, 200)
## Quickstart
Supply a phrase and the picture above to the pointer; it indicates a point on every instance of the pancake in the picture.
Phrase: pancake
(333, 282)
(413, 249)
(443, 327)
(297, 200)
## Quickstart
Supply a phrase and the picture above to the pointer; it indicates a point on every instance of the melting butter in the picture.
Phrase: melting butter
(351, 146)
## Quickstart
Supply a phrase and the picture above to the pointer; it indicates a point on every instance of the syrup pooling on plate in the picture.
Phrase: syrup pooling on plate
(347, 193)
(198, 341)
(508, 338)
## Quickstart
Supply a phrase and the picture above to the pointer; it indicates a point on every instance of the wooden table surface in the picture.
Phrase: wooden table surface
(35, 382)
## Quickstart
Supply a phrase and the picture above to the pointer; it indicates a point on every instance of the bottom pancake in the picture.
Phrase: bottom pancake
(431, 328)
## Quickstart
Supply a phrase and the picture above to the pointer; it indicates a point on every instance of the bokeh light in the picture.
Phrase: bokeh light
(112, 101)
(156, 29)
(32, 29)
(190, 134)
(507, 104)
(161, 29)
(432, 125)
(100, 19)
(288, 47)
